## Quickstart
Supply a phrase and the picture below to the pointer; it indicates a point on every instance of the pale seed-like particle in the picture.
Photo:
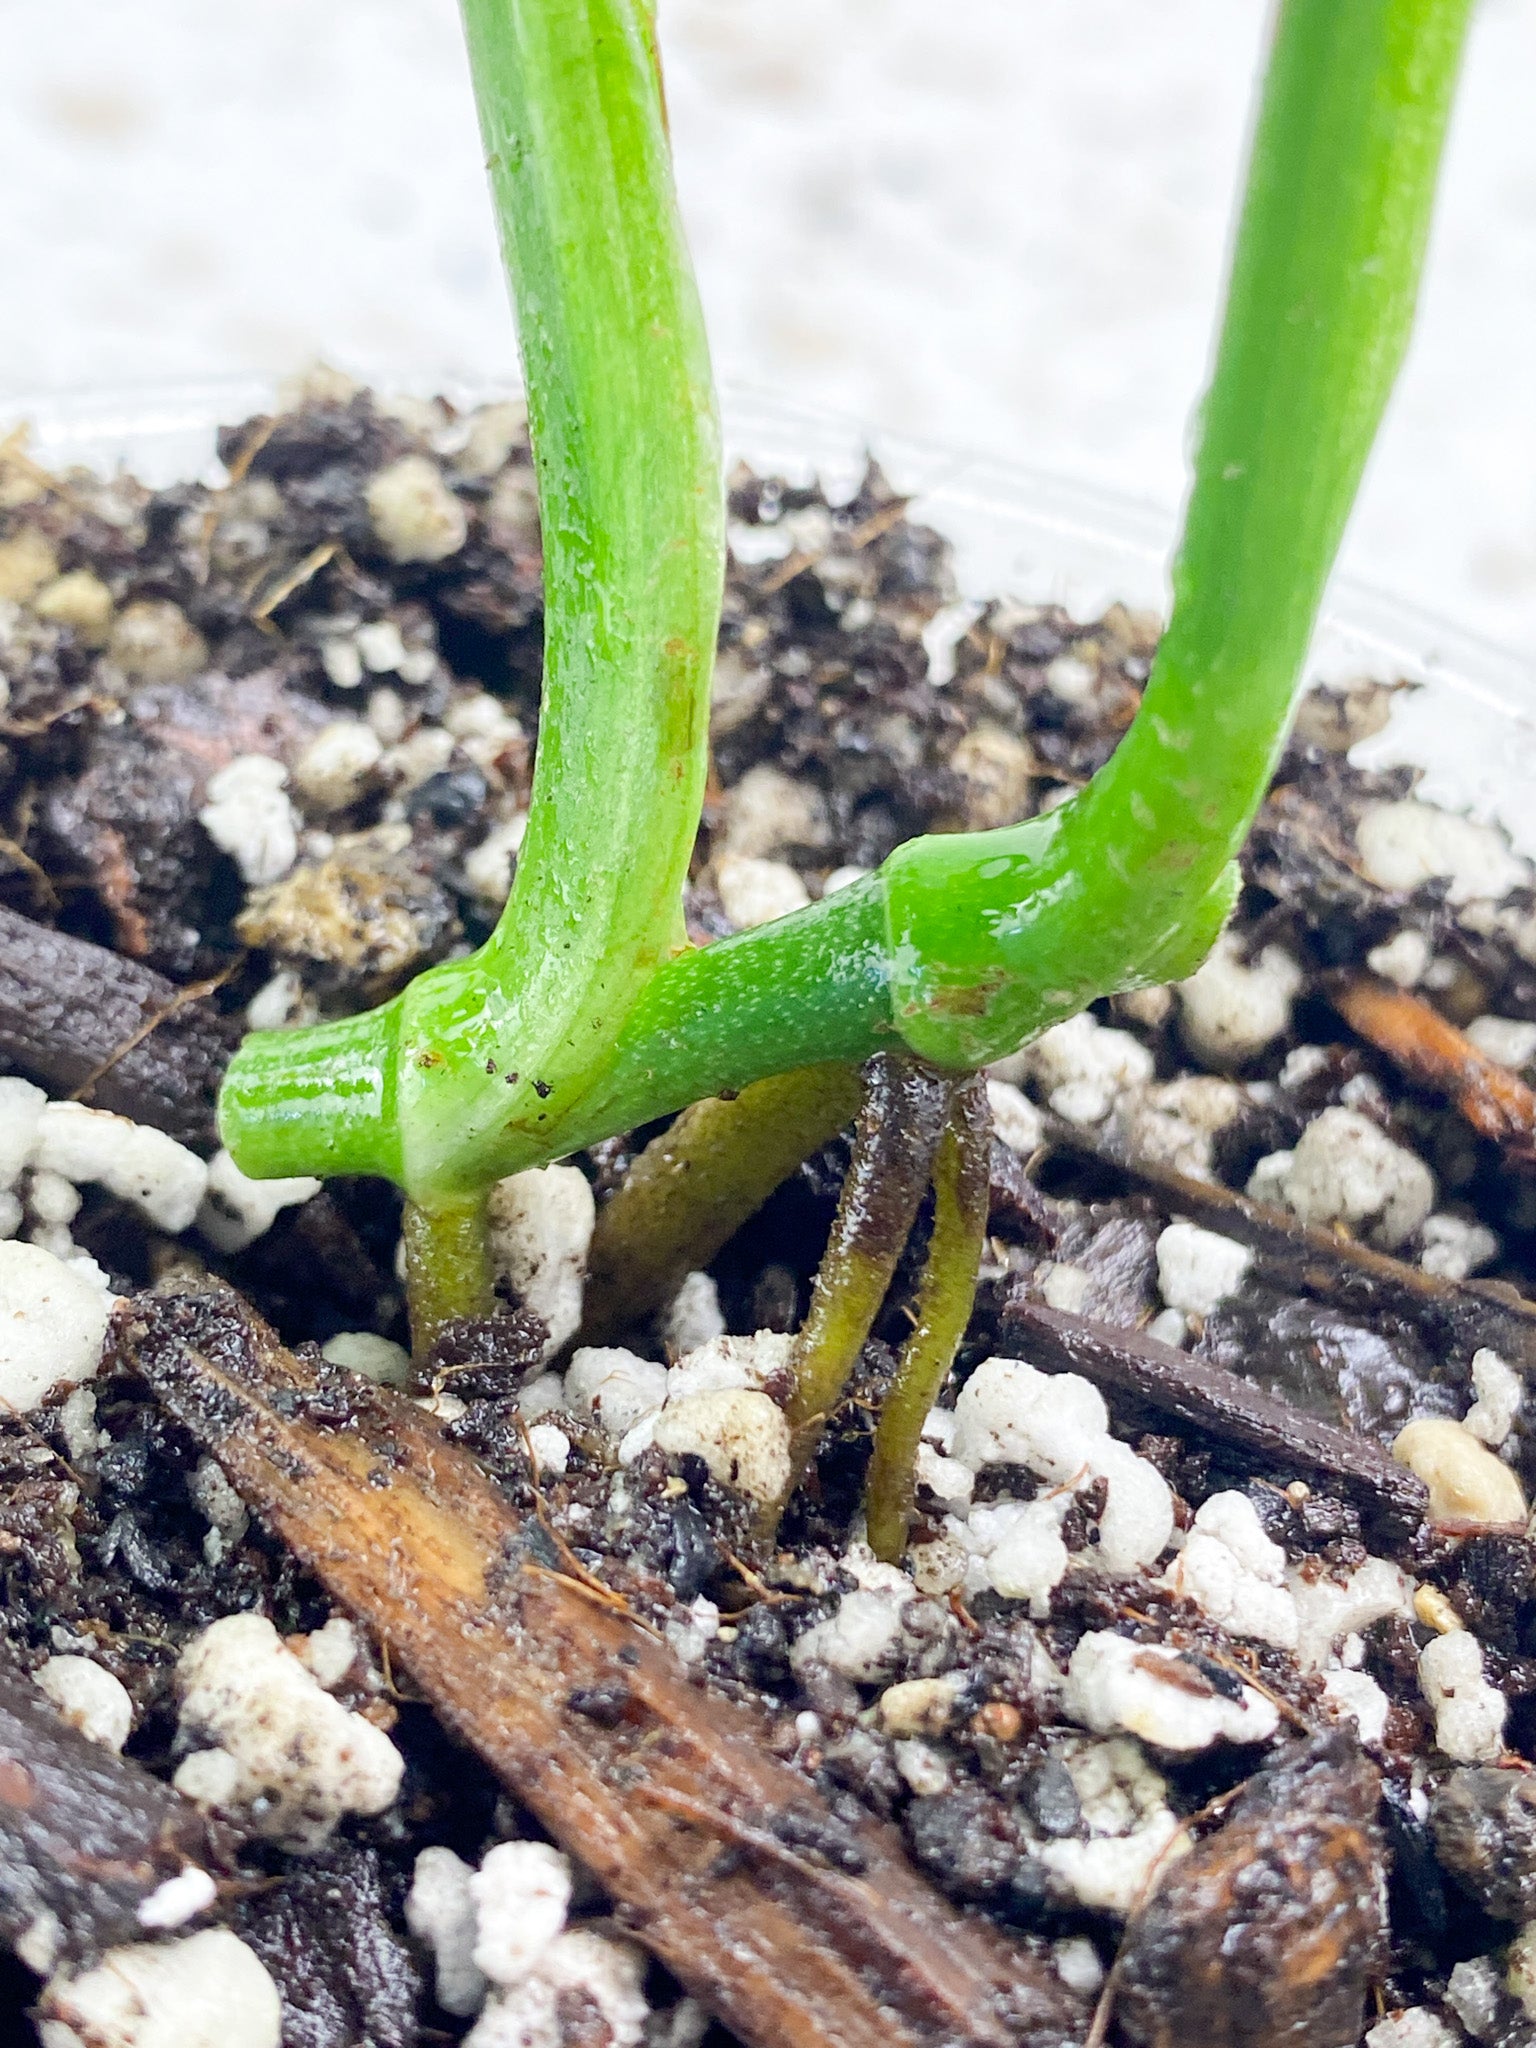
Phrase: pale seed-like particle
(1466, 1482)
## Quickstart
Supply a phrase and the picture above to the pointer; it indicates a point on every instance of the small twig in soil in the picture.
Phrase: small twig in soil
(81, 1019)
(408, 1531)
(86, 1836)
(1457, 1316)
(1217, 1403)
(1428, 1049)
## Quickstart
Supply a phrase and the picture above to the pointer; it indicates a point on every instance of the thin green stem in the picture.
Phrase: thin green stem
(447, 1268)
(945, 1297)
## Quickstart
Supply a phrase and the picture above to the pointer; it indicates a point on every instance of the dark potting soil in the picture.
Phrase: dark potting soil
(385, 650)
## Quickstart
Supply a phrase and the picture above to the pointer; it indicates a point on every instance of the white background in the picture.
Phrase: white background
(998, 223)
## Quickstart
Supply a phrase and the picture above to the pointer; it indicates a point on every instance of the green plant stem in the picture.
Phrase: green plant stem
(694, 1186)
(898, 1131)
(479, 1061)
(963, 946)
(447, 1268)
(961, 1182)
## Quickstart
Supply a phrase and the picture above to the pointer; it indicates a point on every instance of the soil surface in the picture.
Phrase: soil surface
(1269, 1751)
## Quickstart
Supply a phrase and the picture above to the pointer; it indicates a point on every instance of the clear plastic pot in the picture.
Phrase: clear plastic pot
(1470, 724)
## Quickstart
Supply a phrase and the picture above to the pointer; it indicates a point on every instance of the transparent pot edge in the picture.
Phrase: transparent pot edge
(1469, 726)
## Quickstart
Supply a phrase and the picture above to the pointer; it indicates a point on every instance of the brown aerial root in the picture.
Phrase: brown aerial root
(946, 1294)
(692, 1188)
(1430, 1050)
(896, 1140)
(670, 1796)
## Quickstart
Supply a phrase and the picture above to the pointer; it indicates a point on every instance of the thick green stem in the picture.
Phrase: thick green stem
(945, 1297)
(469, 1073)
(692, 1188)
(898, 1132)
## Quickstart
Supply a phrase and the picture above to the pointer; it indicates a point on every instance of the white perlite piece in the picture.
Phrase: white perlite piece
(488, 866)
(89, 1698)
(1197, 1270)
(1015, 1118)
(1058, 1427)
(1415, 2027)
(692, 1317)
(924, 1766)
(690, 1630)
(328, 1652)
(207, 1990)
(1081, 1067)
(522, 1893)
(135, 1162)
(551, 1448)
(1016, 1549)
(1132, 1833)
(377, 1358)
(1327, 1610)
(1509, 1040)
(440, 1910)
(768, 810)
(1404, 845)
(1468, 1485)
(757, 1361)
(1345, 1169)
(1230, 1009)
(1500, 1392)
(248, 816)
(541, 1225)
(1454, 1247)
(415, 515)
(334, 768)
(52, 1322)
(617, 1388)
(1235, 1574)
(21, 1106)
(862, 1639)
(741, 1435)
(1401, 959)
(235, 1211)
(1357, 1694)
(1520, 1969)
(754, 892)
(950, 1482)
(301, 1759)
(608, 1973)
(1473, 1993)
(1469, 1712)
(1115, 1685)
(225, 1510)
(180, 1899)
(1175, 1123)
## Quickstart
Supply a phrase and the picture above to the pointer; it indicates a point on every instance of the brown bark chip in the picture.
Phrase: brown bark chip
(674, 1801)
